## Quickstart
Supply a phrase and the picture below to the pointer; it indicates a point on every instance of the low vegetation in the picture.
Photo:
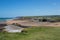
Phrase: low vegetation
(35, 33)
(55, 18)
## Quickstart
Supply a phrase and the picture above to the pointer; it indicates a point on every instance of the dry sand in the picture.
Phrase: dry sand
(29, 23)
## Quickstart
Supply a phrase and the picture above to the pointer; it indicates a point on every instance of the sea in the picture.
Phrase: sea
(4, 19)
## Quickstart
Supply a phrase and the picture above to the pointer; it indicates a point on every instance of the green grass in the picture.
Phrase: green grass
(37, 33)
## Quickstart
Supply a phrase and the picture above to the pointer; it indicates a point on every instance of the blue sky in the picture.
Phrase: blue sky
(13, 8)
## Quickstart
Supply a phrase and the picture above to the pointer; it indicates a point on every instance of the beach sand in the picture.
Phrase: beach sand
(29, 23)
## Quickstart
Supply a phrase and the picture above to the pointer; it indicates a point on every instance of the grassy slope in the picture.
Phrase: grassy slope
(41, 33)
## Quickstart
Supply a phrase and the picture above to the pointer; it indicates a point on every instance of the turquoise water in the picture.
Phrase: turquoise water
(4, 19)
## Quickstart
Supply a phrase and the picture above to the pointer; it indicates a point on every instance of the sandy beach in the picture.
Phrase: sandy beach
(29, 23)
